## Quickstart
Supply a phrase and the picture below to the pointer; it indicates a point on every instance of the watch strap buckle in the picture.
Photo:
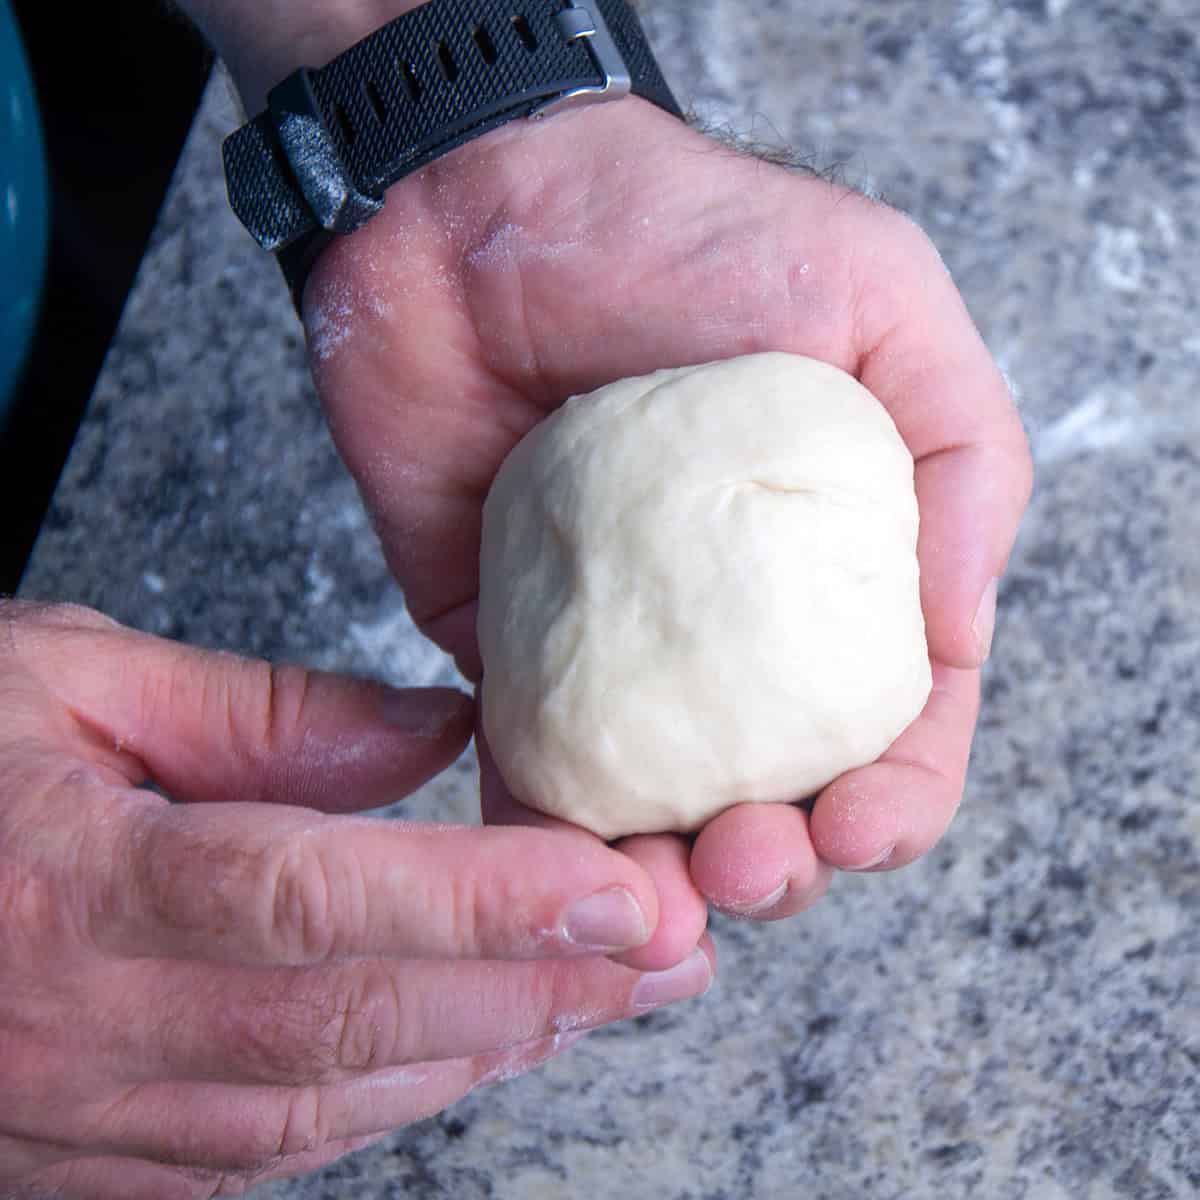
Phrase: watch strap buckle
(585, 22)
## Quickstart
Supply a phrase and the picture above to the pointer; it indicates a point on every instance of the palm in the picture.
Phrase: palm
(545, 260)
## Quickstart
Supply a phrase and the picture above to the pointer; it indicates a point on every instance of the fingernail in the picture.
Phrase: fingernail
(759, 906)
(692, 977)
(424, 712)
(877, 861)
(608, 920)
(984, 624)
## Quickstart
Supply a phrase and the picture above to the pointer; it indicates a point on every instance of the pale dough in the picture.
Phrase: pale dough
(700, 588)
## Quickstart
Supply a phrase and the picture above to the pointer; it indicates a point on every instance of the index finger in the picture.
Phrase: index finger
(927, 363)
(683, 911)
(283, 886)
(891, 812)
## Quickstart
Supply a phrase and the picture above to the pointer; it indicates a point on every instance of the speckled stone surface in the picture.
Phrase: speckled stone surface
(1018, 1015)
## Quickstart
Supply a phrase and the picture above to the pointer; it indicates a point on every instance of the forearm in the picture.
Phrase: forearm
(261, 41)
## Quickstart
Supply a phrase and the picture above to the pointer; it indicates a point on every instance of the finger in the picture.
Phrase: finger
(757, 861)
(295, 1027)
(242, 883)
(103, 1177)
(971, 500)
(682, 913)
(55, 1171)
(207, 725)
(246, 1133)
(238, 1183)
(454, 628)
(890, 813)
(497, 804)
(249, 1136)
(930, 368)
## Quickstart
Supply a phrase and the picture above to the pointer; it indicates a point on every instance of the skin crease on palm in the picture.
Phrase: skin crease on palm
(553, 257)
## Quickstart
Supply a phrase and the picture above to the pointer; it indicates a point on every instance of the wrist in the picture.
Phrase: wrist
(405, 93)
(262, 43)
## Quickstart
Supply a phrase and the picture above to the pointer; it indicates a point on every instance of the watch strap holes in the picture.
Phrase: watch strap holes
(485, 45)
(525, 33)
(412, 85)
(376, 101)
(446, 62)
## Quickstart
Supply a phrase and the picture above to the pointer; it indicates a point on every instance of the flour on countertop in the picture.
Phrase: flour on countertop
(1104, 421)
(1118, 258)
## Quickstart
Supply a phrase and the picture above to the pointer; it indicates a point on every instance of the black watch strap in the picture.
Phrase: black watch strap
(317, 162)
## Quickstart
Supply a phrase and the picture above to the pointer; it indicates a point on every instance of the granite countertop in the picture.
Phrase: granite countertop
(1017, 1015)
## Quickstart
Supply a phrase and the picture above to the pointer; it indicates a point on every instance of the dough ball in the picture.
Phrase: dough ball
(700, 588)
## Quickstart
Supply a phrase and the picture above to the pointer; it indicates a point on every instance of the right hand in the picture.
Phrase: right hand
(200, 996)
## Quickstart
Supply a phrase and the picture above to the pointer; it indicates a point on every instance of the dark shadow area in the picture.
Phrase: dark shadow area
(118, 86)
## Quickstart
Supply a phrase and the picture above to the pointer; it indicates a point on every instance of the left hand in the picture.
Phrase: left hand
(197, 996)
(548, 258)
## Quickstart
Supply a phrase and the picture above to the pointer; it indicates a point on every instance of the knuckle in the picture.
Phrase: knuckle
(897, 239)
(362, 1032)
(54, 839)
(166, 858)
(464, 911)
(60, 615)
(24, 624)
(265, 706)
(234, 1183)
(190, 1183)
(483, 909)
(100, 888)
(301, 1129)
(288, 699)
(68, 615)
(294, 1127)
(564, 1008)
(549, 1002)
(213, 1184)
(299, 900)
(897, 227)
(320, 1030)
(186, 878)
(259, 706)
(239, 1169)
(275, 1039)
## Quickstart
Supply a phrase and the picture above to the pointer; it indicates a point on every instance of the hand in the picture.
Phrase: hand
(199, 996)
(549, 258)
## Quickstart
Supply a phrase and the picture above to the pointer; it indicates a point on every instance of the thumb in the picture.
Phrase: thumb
(210, 726)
